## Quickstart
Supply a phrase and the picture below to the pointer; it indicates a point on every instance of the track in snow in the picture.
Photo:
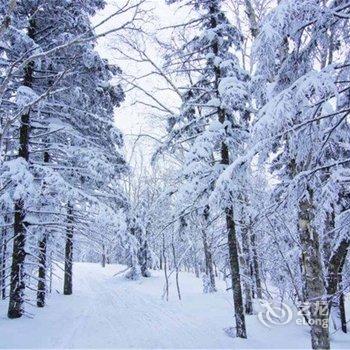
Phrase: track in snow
(108, 311)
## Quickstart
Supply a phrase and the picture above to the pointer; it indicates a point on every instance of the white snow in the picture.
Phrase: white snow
(25, 96)
(109, 311)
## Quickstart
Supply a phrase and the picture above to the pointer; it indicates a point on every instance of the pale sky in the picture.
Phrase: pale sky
(131, 118)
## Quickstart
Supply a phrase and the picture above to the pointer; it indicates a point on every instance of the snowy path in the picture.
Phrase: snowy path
(123, 316)
(107, 311)
(111, 312)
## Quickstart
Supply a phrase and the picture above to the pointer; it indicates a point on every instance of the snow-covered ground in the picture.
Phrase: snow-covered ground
(108, 311)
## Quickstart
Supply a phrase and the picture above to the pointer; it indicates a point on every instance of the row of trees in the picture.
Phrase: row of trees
(61, 160)
(250, 182)
(260, 148)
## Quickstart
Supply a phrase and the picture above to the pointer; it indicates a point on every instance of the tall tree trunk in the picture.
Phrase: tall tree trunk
(253, 23)
(3, 264)
(176, 271)
(209, 269)
(195, 262)
(51, 273)
(313, 275)
(166, 287)
(215, 270)
(232, 239)
(235, 275)
(160, 261)
(17, 282)
(231, 227)
(143, 257)
(256, 270)
(246, 268)
(103, 262)
(334, 279)
(342, 313)
(68, 262)
(41, 293)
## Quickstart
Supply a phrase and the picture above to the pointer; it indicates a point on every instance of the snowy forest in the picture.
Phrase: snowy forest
(175, 174)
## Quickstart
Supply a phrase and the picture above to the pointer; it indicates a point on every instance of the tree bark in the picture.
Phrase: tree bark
(143, 257)
(41, 293)
(246, 268)
(40, 299)
(235, 275)
(209, 269)
(256, 270)
(18, 275)
(254, 29)
(103, 262)
(195, 262)
(253, 24)
(231, 227)
(334, 279)
(3, 263)
(166, 288)
(313, 275)
(160, 261)
(342, 313)
(176, 271)
(215, 270)
(51, 273)
(68, 262)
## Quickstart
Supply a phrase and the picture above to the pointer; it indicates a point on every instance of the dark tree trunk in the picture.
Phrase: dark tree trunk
(215, 270)
(166, 289)
(40, 299)
(196, 267)
(41, 293)
(103, 262)
(256, 270)
(17, 282)
(3, 263)
(246, 268)
(313, 275)
(143, 258)
(68, 263)
(231, 227)
(160, 261)
(232, 241)
(176, 271)
(51, 273)
(253, 25)
(334, 279)
(209, 269)
(235, 275)
(342, 313)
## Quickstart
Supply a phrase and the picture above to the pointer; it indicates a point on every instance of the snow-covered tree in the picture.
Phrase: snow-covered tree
(301, 129)
(213, 121)
(65, 153)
